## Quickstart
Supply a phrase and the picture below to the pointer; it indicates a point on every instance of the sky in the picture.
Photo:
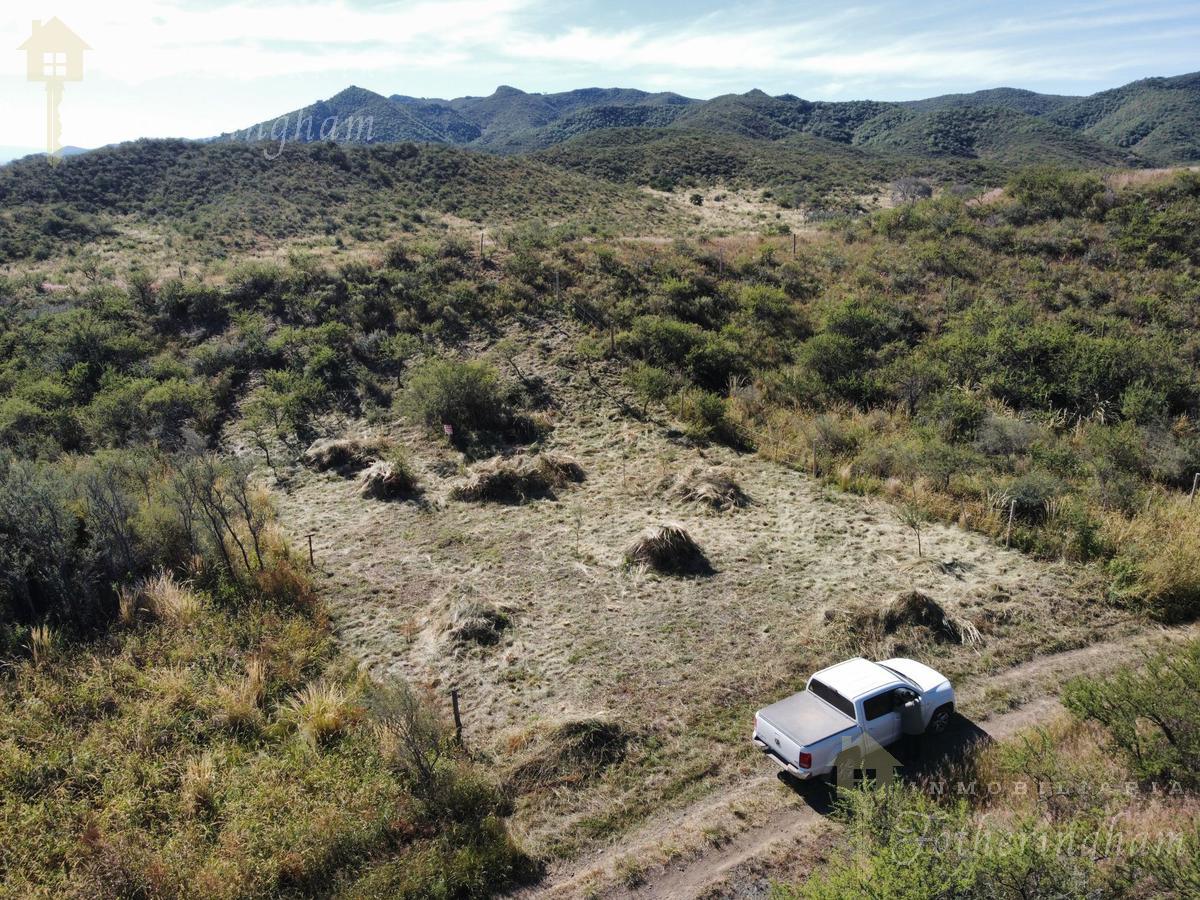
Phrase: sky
(173, 68)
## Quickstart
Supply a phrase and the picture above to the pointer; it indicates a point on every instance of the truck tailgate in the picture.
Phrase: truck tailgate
(778, 744)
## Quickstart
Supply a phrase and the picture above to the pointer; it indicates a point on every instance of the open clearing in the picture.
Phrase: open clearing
(678, 663)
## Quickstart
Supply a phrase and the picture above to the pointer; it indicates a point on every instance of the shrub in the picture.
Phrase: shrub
(650, 384)
(1048, 193)
(1152, 714)
(42, 566)
(706, 418)
(465, 395)
(905, 842)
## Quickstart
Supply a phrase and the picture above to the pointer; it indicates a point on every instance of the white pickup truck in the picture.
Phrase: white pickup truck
(807, 733)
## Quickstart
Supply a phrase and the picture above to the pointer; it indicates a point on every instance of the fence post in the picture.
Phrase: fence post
(1195, 481)
(1012, 510)
(311, 559)
(457, 717)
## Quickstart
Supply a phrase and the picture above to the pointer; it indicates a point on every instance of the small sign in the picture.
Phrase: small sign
(449, 430)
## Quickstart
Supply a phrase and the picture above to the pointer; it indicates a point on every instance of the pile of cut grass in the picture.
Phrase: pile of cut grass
(387, 481)
(344, 455)
(714, 487)
(478, 622)
(518, 479)
(568, 751)
(668, 549)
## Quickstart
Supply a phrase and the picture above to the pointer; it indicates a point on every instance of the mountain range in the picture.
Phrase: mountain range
(1152, 121)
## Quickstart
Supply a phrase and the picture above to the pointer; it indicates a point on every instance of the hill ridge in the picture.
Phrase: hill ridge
(1153, 120)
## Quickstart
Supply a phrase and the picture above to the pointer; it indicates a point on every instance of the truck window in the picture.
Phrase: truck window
(880, 704)
(832, 697)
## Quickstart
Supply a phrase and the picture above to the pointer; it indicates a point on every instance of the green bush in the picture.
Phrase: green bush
(1049, 193)
(905, 845)
(1151, 714)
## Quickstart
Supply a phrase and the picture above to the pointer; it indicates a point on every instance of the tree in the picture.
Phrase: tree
(650, 384)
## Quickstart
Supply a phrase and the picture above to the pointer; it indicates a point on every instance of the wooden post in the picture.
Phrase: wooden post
(1195, 481)
(793, 245)
(557, 293)
(1012, 511)
(457, 717)
(311, 559)
(481, 246)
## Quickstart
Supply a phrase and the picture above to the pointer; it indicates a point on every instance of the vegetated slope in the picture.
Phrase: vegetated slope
(587, 120)
(509, 112)
(1030, 102)
(1158, 118)
(994, 133)
(998, 133)
(358, 116)
(757, 115)
(216, 191)
(799, 170)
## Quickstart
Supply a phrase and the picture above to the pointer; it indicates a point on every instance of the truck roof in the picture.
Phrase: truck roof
(856, 677)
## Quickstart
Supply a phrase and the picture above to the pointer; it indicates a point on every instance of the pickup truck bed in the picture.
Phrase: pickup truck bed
(805, 718)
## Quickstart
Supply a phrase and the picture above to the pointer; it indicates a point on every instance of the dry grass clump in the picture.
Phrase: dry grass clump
(319, 711)
(387, 481)
(477, 622)
(42, 639)
(344, 455)
(239, 702)
(913, 609)
(198, 785)
(168, 600)
(567, 751)
(517, 479)
(714, 487)
(669, 549)
(1159, 558)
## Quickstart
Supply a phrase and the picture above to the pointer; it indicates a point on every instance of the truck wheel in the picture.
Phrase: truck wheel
(940, 721)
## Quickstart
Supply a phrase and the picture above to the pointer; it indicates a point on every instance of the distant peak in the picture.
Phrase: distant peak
(354, 92)
(507, 90)
(757, 94)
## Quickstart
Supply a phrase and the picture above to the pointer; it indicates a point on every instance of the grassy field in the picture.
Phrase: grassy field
(678, 664)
